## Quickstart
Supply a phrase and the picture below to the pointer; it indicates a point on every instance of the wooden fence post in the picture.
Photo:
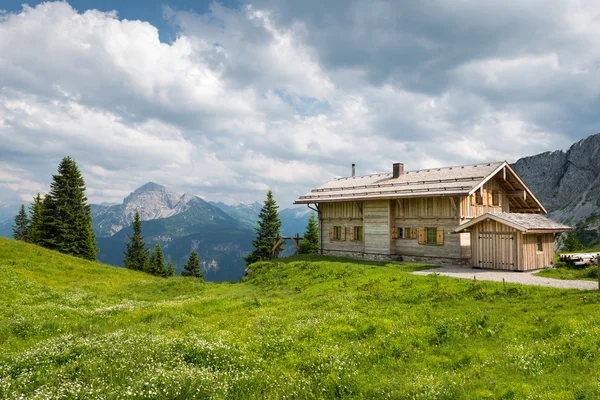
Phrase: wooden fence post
(598, 265)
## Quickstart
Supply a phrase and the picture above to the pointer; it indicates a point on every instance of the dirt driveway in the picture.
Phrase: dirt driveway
(525, 278)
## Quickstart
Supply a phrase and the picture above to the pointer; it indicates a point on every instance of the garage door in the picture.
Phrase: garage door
(497, 250)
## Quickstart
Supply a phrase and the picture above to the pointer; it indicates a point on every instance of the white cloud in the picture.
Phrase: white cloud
(287, 95)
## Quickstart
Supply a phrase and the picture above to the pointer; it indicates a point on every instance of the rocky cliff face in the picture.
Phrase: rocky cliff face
(566, 182)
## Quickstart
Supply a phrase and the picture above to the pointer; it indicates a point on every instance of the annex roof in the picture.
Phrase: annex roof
(521, 222)
(434, 182)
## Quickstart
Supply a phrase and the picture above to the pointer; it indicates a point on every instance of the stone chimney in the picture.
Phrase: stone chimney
(398, 170)
(353, 170)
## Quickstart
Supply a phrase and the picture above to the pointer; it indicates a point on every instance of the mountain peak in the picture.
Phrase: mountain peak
(151, 186)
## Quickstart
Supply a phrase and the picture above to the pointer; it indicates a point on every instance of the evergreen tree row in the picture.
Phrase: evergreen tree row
(138, 257)
(61, 220)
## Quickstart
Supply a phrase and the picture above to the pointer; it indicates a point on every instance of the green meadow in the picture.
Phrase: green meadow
(298, 328)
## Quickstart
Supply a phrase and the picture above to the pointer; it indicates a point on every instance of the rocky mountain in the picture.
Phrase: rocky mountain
(568, 184)
(181, 223)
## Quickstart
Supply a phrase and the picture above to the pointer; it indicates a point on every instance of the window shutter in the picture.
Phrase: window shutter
(395, 233)
(421, 235)
(343, 233)
(352, 233)
(413, 232)
(490, 198)
(440, 235)
(331, 233)
(473, 199)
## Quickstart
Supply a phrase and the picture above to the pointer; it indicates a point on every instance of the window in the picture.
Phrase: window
(403, 233)
(540, 244)
(357, 233)
(431, 235)
(495, 198)
(337, 233)
(478, 198)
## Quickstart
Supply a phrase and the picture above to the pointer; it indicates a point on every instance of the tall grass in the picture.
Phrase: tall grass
(302, 328)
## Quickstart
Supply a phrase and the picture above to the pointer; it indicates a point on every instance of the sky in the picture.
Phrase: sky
(226, 100)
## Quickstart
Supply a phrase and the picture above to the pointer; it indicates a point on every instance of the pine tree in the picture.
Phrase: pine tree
(269, 226)
(171, 268)
(136, 256)
(192, 267)
(67, 216)
(310, 241)
(571, 244)
(157, 262)
(36, 226)
(21, 226)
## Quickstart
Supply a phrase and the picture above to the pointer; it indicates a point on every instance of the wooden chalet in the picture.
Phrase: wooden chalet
(482, 215)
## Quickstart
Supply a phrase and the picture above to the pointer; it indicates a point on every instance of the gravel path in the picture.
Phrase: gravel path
(525, 278)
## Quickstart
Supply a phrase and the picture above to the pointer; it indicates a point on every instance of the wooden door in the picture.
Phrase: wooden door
(497, 250)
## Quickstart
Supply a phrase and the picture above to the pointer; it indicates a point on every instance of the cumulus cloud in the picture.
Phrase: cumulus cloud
(286, 94)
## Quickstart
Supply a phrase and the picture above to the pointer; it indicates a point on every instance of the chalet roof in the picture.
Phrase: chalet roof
(522, 222)
(447, 181)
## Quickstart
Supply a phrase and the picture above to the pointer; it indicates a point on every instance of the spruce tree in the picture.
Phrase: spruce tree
(36, 225)
(157, 262)
(269, 226)
(192, 267)
(136, 256)
(310, 241)
(571, 244)
(171, 268)
(21, 226)
(67, 216)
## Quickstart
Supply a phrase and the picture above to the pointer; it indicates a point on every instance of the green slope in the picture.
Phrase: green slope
(299, 328)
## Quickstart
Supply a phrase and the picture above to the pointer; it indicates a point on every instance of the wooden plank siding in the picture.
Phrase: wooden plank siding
(377, 226)
(532, 258)
(469, 210)
(346, 214)
(495, 245)
(440, 212)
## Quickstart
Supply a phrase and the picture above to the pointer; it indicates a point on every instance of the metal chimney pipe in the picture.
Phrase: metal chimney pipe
(353, 170)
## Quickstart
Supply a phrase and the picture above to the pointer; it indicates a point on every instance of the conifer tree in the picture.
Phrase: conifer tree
(171, 268)
(571, 244)
(67, 216)
(310, 241)
(157, 262)
(192, 267)
(136, 256)
(36, 225)
(21, 226)
(269, 226)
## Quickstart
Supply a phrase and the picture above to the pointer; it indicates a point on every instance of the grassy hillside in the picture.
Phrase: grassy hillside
(300, 328)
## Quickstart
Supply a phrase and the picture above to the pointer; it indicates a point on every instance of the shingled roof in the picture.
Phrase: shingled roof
(447, 181)
(521, 222)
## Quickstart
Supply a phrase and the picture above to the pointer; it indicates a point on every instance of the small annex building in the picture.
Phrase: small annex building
(518, 242)
(481, 215)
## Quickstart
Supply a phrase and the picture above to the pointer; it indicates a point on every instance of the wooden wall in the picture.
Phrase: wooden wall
(435, 212)
(346, 214)
(379, 217)
(532, 259)
(377, 226)
(495, 245)
(468, 210)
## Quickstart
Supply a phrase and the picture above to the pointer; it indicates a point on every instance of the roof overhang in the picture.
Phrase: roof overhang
(386, 196)
(520, 228)
(505, 169)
